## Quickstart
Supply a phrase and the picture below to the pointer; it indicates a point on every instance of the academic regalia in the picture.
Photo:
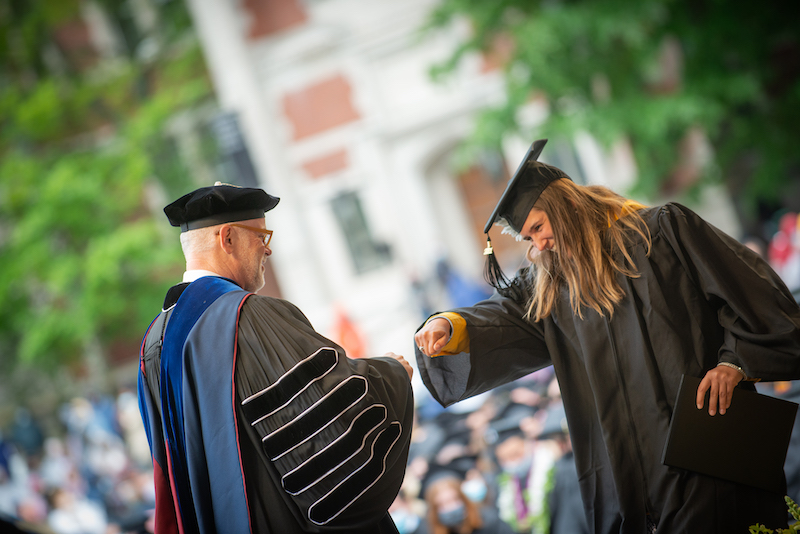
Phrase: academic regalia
(257, 423)
(701, 298)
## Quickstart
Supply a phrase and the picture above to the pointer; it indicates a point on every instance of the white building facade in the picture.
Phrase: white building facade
(343, 122)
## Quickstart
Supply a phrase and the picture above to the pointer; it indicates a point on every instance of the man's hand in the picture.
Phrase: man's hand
(433, 336)
(403, 362)
(721, 380)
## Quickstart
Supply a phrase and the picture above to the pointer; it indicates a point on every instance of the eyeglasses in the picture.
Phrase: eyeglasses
(266, 235)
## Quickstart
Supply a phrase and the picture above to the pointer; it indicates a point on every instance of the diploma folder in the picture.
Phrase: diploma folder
(746, 445)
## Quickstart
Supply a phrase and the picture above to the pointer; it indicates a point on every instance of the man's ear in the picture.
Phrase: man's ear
(226, 238)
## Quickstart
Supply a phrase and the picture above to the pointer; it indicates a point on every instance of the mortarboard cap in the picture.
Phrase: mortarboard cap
(521, 193)
(523, 189)
(456, 469)
(508, 423)
(218, 204)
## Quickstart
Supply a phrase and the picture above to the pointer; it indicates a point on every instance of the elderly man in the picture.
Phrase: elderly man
(256, 422)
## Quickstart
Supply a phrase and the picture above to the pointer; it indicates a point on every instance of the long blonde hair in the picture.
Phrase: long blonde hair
(590, 250)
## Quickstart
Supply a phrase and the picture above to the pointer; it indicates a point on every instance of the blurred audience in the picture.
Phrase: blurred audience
(407, 513)
(500, 462)
(563, 499)
(783, 251)
(74, 514)
(520, 487)
(451, 512)
(88, 479)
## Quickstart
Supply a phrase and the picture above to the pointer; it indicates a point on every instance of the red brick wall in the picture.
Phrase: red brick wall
(327, 164)
(481, 194)
(273, 16)
(320, 107)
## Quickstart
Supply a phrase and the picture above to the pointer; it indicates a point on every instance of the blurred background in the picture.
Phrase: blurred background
(389, 129)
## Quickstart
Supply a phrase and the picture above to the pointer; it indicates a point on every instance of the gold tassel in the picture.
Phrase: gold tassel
(495, 277)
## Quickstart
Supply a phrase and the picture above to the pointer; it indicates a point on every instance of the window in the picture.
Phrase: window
(367, 254)
(562, 154)
(232, 159)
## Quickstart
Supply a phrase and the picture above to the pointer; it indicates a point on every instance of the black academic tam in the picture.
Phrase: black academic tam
(218, 204)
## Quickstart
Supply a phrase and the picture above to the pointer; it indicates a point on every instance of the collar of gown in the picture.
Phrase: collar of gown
(194, 274)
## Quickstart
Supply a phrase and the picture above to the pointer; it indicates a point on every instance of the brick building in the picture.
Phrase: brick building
(343, 123)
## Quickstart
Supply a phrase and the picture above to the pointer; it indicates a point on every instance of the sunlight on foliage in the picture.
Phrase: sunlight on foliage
(646, 73)
(84, 259)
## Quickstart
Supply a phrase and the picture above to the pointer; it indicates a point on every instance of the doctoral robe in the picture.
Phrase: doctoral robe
(259, 424)
(701, 298)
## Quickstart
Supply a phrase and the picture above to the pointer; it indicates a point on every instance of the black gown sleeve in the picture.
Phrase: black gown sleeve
(758, 313)
(503, 346)
(331, 434)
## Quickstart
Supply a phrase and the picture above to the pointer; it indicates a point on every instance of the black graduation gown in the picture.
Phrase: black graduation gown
(358, 456)
(701, 298)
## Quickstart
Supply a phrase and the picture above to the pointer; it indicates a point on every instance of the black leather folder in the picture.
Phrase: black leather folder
(746, 445)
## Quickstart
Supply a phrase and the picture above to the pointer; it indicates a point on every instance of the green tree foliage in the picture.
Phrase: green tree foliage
(83, 260)
(603, 67)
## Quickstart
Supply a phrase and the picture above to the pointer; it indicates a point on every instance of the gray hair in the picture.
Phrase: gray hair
(198, 241)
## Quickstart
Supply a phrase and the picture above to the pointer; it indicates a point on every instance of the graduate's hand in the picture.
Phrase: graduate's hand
(433, 336)
(403, 362)
(721, 380)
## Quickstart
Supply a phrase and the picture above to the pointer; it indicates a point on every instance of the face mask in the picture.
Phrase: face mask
(453, 518)
(405, 522)
(474, 489)
(520, 469)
